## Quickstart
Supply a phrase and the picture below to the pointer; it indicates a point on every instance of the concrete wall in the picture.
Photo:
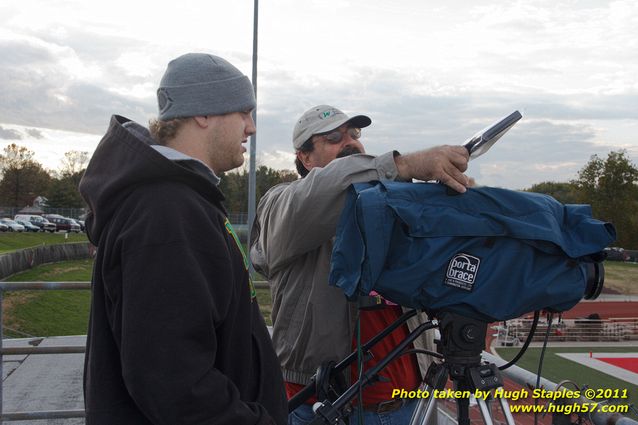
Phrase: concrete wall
(17, 261)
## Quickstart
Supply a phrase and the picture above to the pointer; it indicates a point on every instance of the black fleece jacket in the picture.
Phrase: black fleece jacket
(175, 334)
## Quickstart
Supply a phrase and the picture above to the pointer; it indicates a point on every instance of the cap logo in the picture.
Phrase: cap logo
(329, 113)
(164, 101)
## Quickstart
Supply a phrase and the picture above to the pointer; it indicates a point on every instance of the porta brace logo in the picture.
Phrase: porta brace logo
(462, 270)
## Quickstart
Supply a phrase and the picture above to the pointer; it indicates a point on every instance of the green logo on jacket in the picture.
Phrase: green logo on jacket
(231, 231)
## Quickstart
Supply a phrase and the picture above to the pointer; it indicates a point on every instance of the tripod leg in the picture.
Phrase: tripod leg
(485, 412)
(506, 410)
(424, 409)
(463, 411)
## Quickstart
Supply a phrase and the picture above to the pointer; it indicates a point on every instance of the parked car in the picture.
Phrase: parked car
(615, 253)
(44, 224)
(12, 225)
(28, 226)
(63, 223)
(76, 221)
(27, 217)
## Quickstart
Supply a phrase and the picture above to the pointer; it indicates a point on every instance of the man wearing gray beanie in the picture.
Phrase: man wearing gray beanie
(175, 334)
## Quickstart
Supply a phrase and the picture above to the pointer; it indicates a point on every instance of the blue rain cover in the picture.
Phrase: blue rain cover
(489, 254)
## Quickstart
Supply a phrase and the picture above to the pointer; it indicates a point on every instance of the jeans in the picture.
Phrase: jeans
(303, 415)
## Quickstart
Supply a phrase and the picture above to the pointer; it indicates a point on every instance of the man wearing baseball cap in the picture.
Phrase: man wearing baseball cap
(292, 244)
(176, 335)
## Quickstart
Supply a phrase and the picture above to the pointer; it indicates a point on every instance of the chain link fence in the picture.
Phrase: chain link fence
(79, 213)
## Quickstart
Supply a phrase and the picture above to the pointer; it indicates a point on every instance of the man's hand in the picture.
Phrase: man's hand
(443, 163)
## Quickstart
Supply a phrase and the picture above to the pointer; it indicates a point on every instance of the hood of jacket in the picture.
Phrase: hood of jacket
(123, 160)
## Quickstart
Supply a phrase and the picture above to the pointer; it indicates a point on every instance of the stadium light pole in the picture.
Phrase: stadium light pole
(252, 180)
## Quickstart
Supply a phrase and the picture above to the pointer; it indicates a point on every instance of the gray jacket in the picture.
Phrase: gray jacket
(291, 245)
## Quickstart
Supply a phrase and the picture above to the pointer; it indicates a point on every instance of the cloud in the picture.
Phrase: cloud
(432, 76)
(537, 151)
(39, 91)
(35, 133)
(75, 79)
(555, 138)
(9, 134)
(279, 160)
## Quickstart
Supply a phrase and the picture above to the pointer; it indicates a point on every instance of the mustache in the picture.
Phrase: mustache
(348, 150)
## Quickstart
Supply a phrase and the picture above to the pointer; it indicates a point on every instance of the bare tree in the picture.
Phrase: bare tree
(74, 162)
(15, 156)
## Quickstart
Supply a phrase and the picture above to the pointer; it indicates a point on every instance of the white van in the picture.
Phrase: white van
(44, 224)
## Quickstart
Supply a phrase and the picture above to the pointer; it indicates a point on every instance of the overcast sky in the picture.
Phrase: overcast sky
(427, 73)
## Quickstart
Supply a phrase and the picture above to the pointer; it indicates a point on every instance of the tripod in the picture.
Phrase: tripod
(461, 344)
(462, 341)
(333, 412)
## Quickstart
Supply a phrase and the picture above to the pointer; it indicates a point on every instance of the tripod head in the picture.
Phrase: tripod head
(462, 342)
(462, 338)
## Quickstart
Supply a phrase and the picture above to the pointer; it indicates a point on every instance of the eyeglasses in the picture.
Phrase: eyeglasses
(335, 136)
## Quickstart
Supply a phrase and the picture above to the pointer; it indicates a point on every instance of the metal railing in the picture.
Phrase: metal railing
(527, 379)
(571, 330)
(35, 286)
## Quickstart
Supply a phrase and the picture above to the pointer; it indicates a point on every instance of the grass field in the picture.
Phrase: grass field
(556, 368)
(622, 277)
(47, 313)
(62, 312)
(10, 241)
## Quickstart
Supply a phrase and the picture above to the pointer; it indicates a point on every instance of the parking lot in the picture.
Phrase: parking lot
(41, 223)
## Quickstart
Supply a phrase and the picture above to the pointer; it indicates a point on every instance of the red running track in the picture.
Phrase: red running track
(605, 309)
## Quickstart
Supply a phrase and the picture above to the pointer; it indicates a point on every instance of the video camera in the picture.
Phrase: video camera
(490, 254)
(487, 255)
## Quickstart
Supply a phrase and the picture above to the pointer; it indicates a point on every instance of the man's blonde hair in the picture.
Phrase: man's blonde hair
(163, 131)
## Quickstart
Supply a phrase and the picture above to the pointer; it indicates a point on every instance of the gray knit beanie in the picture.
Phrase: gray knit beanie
(201, 84)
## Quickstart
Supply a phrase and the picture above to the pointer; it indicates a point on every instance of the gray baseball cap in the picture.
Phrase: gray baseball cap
(321, 119)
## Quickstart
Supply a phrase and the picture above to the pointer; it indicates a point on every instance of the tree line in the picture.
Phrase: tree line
(609, 185)
(24, 179)
(234, 185)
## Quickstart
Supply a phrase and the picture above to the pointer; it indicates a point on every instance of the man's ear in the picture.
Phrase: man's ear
(201, 121)
(304, 157)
